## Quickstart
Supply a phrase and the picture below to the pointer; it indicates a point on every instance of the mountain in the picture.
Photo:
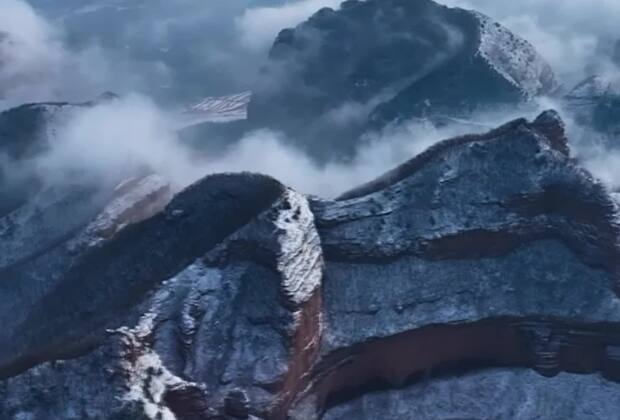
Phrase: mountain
(372, 63)
(595, 102)
(479, 279)
(25, 133)
(476, 279)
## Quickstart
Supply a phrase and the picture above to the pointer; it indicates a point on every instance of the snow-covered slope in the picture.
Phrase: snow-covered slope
(592, 87)
(514, 58)
(217, 109)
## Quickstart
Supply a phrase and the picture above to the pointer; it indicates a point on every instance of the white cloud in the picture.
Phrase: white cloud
(36, 65)
(568, 33)
(381, 152)
(31, 57)
(113, 138)
(259, 26)
(110, 137)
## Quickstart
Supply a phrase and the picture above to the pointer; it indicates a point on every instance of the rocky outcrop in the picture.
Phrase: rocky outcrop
(484, 269)
(52, 282)
(498, 394)
(457, 247)
(373, 63)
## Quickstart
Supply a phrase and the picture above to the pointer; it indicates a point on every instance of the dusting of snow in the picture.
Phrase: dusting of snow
(126, 183)
(300, 261)
(140, 201)
(149, 186)
(147, 378)
(57, 115)
(204, 281)
(217, 109)
(40, 223)
(592, 87)
(513, 58)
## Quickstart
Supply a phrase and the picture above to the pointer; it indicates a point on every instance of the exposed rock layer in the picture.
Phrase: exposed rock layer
(467, 269)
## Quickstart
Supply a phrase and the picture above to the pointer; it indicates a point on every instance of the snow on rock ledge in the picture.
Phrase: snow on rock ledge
(299, 263)
(147, 378)
(135, 200)
(514, 58)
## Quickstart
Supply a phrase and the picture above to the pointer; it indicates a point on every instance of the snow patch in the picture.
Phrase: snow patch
(142, 199)
(217, 109)
(593, 87)
(513, 58)
(149, 186)
(301, 260)
(148, 379)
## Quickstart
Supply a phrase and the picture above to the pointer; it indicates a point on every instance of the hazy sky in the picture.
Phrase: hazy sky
(182, 49)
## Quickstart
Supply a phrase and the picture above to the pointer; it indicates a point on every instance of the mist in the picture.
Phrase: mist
(258, 26)
(575, 36)
(31, 58)
(37, 65)
(40, 60)
(115, 138)
(118, 138)
(183, 50)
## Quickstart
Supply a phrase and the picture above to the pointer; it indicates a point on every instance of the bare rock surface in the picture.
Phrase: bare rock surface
(478, 280)
(523, 395)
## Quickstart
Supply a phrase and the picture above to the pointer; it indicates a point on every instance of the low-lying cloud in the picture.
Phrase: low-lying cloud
(380, 153)
(119, 137)
(115, 136)
(259, 26)
(575, 36)
(31, 57)
(37, 66)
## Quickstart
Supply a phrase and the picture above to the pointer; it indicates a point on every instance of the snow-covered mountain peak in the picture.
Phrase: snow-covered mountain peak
(514, 58)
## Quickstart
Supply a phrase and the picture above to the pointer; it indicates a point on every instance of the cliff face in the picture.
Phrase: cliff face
(466, 282)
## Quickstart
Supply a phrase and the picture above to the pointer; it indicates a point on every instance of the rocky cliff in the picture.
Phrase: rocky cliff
(484, 269)
(372, 63)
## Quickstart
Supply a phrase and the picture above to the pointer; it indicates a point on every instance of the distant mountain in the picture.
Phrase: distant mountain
(376, 62)
(25, 133)
(595, 102)
(182, 49)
